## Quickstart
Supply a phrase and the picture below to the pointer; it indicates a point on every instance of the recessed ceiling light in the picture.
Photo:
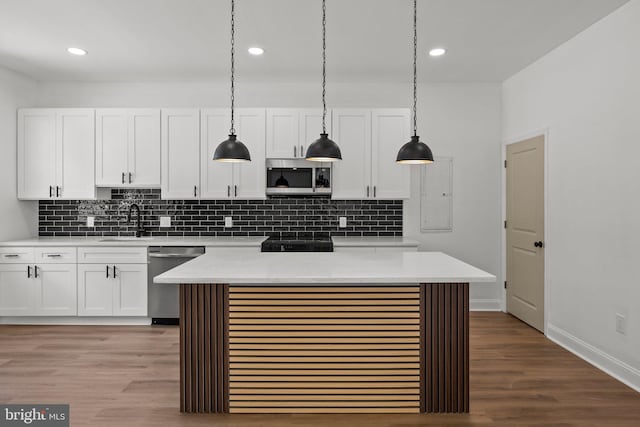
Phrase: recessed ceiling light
(256, 50)
(76, 51)
(438, 51)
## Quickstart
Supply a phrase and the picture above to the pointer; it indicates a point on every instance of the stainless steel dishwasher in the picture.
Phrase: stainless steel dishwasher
(164, 299)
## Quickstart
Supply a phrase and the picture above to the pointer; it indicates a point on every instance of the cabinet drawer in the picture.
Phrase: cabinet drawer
(55, 255)
(112, 255)
(16, 255)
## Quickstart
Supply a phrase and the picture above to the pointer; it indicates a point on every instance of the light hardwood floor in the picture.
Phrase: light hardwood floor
(128, 376)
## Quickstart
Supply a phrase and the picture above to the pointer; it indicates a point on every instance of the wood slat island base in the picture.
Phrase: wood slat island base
(324, 349)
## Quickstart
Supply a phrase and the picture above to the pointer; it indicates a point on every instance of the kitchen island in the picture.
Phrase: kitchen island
(324, 332)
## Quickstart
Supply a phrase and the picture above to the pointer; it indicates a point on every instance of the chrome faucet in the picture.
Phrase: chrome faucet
(139, 227)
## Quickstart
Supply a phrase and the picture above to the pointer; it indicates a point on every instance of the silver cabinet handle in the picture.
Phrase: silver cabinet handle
(54, 256)
(57, 191)
(195, 191)
(374, 191)
(367, 191)
(107, 271)
(114, 272)
(11, 255)
(123, 177)
(301, 151)
(235, 191)
(228, 191)
(129, 177)
(28, 272)
(35, 271)
(51, 191)
(294, 151)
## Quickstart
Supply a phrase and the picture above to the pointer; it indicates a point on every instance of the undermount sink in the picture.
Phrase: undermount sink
(126, 239)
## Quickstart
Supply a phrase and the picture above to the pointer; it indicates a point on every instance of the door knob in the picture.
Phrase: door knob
(538, 244)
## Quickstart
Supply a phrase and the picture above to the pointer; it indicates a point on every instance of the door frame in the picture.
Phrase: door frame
(547, 282)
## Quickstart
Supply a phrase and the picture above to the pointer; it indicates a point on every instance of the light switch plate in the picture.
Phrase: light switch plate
(228, 222)
(165, 221)
(621, 323)
(342, 222)
(91, 221)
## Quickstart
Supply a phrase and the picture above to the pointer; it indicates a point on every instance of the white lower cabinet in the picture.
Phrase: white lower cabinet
(16, 290)
(112, 290)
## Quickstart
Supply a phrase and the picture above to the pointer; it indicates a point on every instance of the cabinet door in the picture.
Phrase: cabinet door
(216, 177)
(144, 148)
(180, 153)
(16, 290)
(95, 290)
(352, 175)
(310, 128)
(36, 153)
(282, 134)
(390, 131)
(111, 147)
(130, 290)
(249, 179)
(75, 154)
(56, 290)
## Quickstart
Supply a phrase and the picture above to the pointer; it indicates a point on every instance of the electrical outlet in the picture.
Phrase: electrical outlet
(621, 324)
(342, 222)
(91, 221)
(165, 221)
(228, 222)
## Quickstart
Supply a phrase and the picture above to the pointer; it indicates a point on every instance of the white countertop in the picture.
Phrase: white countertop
(308, 268)
(145, 241)
(374, 241)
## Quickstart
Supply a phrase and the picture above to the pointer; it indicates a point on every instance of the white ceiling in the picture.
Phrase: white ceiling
(140, 40)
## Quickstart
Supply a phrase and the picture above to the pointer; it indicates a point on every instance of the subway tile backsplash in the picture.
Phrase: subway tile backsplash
(290, 217)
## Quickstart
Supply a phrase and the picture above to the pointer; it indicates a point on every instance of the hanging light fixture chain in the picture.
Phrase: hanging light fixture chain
(415, 67)
(232, 131)
(324, 65)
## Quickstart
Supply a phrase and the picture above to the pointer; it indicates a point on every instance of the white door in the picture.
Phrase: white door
(95, 290)
(111, 147)
(144, 148)
(282, 133)
(180, 153)
(36, 153)
(390, 131)
(310, 128)
(525, 231)
(56, 290)
(249, 179)
(75, 148)
(16, 290)
(216, 178)
(352, 175)
(130, 290)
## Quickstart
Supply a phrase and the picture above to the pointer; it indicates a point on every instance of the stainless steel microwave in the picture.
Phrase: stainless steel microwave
(298, 177)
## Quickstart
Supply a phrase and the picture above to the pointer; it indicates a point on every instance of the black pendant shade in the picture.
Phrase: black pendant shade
(323, 150)
(282, 182)
(232, 151)
(414, 152)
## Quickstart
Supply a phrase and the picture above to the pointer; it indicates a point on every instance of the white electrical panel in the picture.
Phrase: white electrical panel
(436, 195)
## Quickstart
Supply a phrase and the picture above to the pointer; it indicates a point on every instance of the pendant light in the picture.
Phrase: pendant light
(232, 150)
(415, 152)
(323, 149)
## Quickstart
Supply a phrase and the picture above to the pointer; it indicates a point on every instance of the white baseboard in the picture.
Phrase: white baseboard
(616, 368)
(485, 305)
(74, 320)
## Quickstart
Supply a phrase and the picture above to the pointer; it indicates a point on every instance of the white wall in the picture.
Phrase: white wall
(587, 94)
(17, 219)
(457, 120)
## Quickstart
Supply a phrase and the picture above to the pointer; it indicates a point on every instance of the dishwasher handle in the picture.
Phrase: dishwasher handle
(162, 255)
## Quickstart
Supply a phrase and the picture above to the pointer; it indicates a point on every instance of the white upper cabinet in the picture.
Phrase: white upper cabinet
(352, 174)
(128, 147)
(180, 154)
(56, 154)
(369, 141)
(249, 178)
(390, 131)
(216, 178)
(290, 131)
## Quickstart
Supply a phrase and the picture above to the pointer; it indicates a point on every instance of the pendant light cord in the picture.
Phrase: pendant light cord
(232, 131)
(324, 65)
(415, 67)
